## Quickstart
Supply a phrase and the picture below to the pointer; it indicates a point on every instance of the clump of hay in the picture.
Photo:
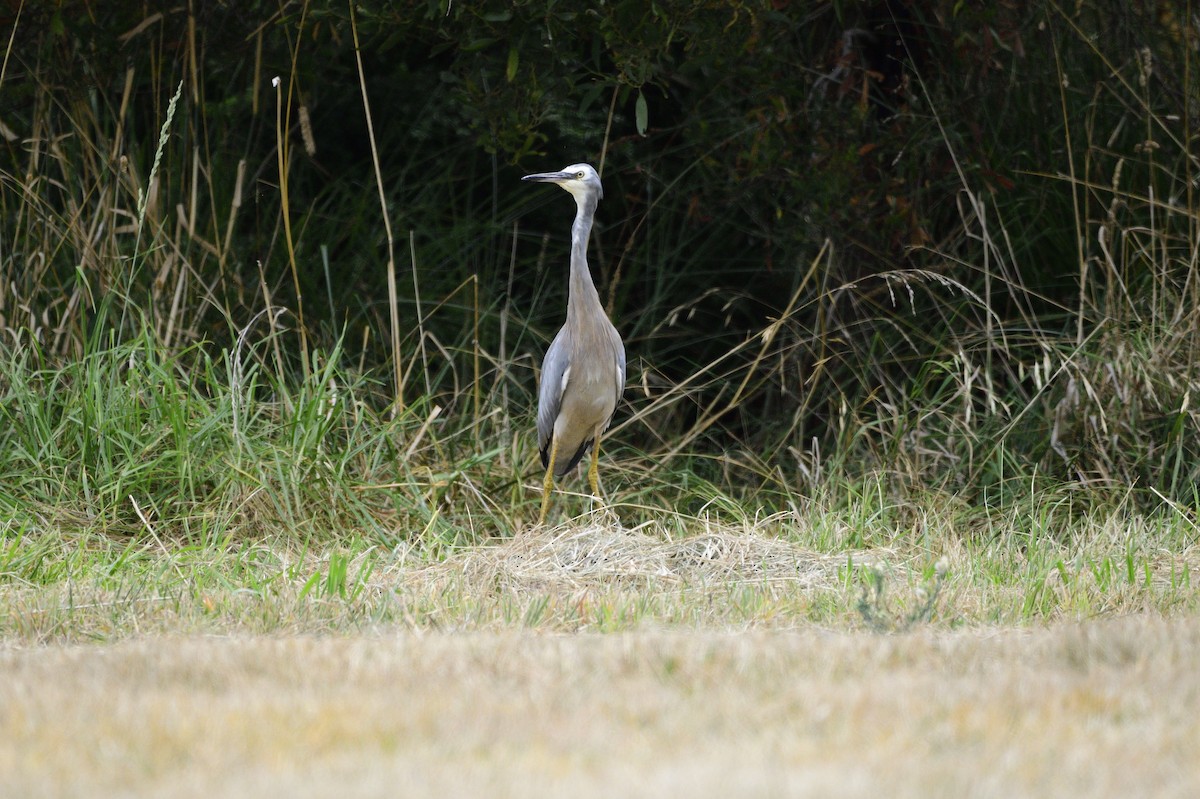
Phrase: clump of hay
(609, 554)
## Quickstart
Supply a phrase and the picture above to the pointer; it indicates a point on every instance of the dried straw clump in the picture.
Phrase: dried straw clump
(576, 557)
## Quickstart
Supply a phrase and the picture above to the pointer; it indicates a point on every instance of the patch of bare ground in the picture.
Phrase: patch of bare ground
(1100, 709)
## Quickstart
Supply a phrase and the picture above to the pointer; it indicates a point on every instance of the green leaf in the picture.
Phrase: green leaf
(643, 114)
(479, 44)
(310, 584)
(510, 71)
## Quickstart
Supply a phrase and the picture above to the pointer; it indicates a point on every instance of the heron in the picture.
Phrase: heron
(583, 373)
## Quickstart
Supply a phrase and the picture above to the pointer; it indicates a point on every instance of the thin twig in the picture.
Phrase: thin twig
(393, 309)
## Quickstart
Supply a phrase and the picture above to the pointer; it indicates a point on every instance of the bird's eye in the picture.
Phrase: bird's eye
(579, 174)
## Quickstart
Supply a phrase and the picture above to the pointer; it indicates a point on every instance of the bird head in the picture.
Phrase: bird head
(579, 179)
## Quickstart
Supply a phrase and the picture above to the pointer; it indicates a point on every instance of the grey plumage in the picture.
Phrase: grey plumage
(583, 372)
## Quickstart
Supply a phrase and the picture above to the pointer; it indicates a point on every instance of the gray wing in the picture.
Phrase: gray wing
(619, 347)
(554, 373)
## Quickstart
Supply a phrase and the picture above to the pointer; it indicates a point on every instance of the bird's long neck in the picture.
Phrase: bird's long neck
(581, 290)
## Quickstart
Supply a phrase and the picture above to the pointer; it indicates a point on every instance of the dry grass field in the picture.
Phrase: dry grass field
(583, 662)
(1101, 709)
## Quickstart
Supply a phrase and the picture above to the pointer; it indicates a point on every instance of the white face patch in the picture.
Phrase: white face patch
(580, 176)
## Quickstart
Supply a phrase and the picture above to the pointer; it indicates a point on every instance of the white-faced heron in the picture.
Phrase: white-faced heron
(583, 373)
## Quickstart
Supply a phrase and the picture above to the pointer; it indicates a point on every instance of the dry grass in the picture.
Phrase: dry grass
(591, 576)
(1101, 709)
(595, 554)
(734, 664)
(587, 577)
(602, 577)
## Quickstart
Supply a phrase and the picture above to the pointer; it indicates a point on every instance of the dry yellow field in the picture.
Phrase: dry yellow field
(1102, 709)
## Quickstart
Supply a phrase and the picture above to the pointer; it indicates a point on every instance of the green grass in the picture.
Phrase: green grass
(74, 568)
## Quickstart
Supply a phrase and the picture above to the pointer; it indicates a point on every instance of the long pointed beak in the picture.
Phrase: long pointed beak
(548, 177)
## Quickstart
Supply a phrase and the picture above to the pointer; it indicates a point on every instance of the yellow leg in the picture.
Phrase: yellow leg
(594, 469)
(548, 482)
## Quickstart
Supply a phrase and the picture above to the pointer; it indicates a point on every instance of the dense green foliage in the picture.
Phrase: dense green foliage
(954, 245)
